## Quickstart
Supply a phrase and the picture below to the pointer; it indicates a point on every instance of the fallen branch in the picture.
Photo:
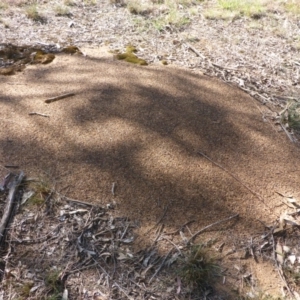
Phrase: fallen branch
(50, 100)
(9, 204)
(78, 202)
(238, 180)
(211, 225)
(38, 114)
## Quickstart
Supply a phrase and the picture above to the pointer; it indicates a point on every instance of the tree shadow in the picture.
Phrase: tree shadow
(144, 129)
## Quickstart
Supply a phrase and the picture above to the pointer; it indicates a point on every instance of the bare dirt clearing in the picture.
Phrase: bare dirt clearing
(143, 130)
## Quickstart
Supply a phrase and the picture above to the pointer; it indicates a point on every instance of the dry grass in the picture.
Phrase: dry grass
(62, 10)
(33, 13)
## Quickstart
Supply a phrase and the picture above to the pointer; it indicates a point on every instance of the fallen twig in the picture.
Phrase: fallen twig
(113, 188)
(161, 265)
(163, 216)
(195, 51)
(286, 132)
(50, 100)
(9, 205)
(38, 114)
(211, 225)
(278, 267)
(165, 238)
(124, 292)
(179, 229)
(11, 167)
(75, 201)
(238, 180)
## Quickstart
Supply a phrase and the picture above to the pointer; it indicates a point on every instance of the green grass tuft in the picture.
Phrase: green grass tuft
(199, 268)
(33, 13)
(249, 8)
(61, 10)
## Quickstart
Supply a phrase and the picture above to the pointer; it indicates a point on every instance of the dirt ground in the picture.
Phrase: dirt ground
(143, 129)
(163, 144)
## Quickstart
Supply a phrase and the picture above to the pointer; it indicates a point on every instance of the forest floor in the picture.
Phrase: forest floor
(139, 158)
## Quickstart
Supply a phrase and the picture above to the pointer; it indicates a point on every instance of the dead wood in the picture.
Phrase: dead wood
(9, 204)
(209, 226)
(278, 266)
(50, 100)
(38, 114)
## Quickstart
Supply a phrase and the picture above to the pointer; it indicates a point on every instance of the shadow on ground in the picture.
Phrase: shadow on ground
(144, 129)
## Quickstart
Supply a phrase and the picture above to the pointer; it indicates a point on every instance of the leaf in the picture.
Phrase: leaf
(26, 196)
(292, 259)
(290, 220)
(65, 295)
(128, 240)
(279, 254)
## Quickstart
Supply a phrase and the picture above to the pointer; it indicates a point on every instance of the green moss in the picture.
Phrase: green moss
(130, 57)
(71, 50)
(131, 49)
(43, 57)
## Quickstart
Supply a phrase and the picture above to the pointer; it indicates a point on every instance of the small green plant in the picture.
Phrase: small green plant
(3, 6)
(176, 18)
(41, 191)
(54, 284)
(218, 14)
(199, 268)
(6, 25)
(32, 13)
(250, 8)
(292, 6)
(90, 2)
(61, 11)
(26, 289)
(137, 8)
(294, 116)
(70, 2)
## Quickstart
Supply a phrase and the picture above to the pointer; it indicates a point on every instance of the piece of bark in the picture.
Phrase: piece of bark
(9, 204)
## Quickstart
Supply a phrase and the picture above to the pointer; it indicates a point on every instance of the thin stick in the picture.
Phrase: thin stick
(279, 269)
(165, 238)
(211, 225)
(11, 167)
(181, 227)
(195, 51)
(9, 205)
(163, 216)
(50, 100)
(238, 180)
(123, 291)
(113, 188)
(38, 114)
(75, 201)
(286, 132)
(161, 265)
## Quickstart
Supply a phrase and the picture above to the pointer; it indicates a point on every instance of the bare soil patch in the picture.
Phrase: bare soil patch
(134, 136)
